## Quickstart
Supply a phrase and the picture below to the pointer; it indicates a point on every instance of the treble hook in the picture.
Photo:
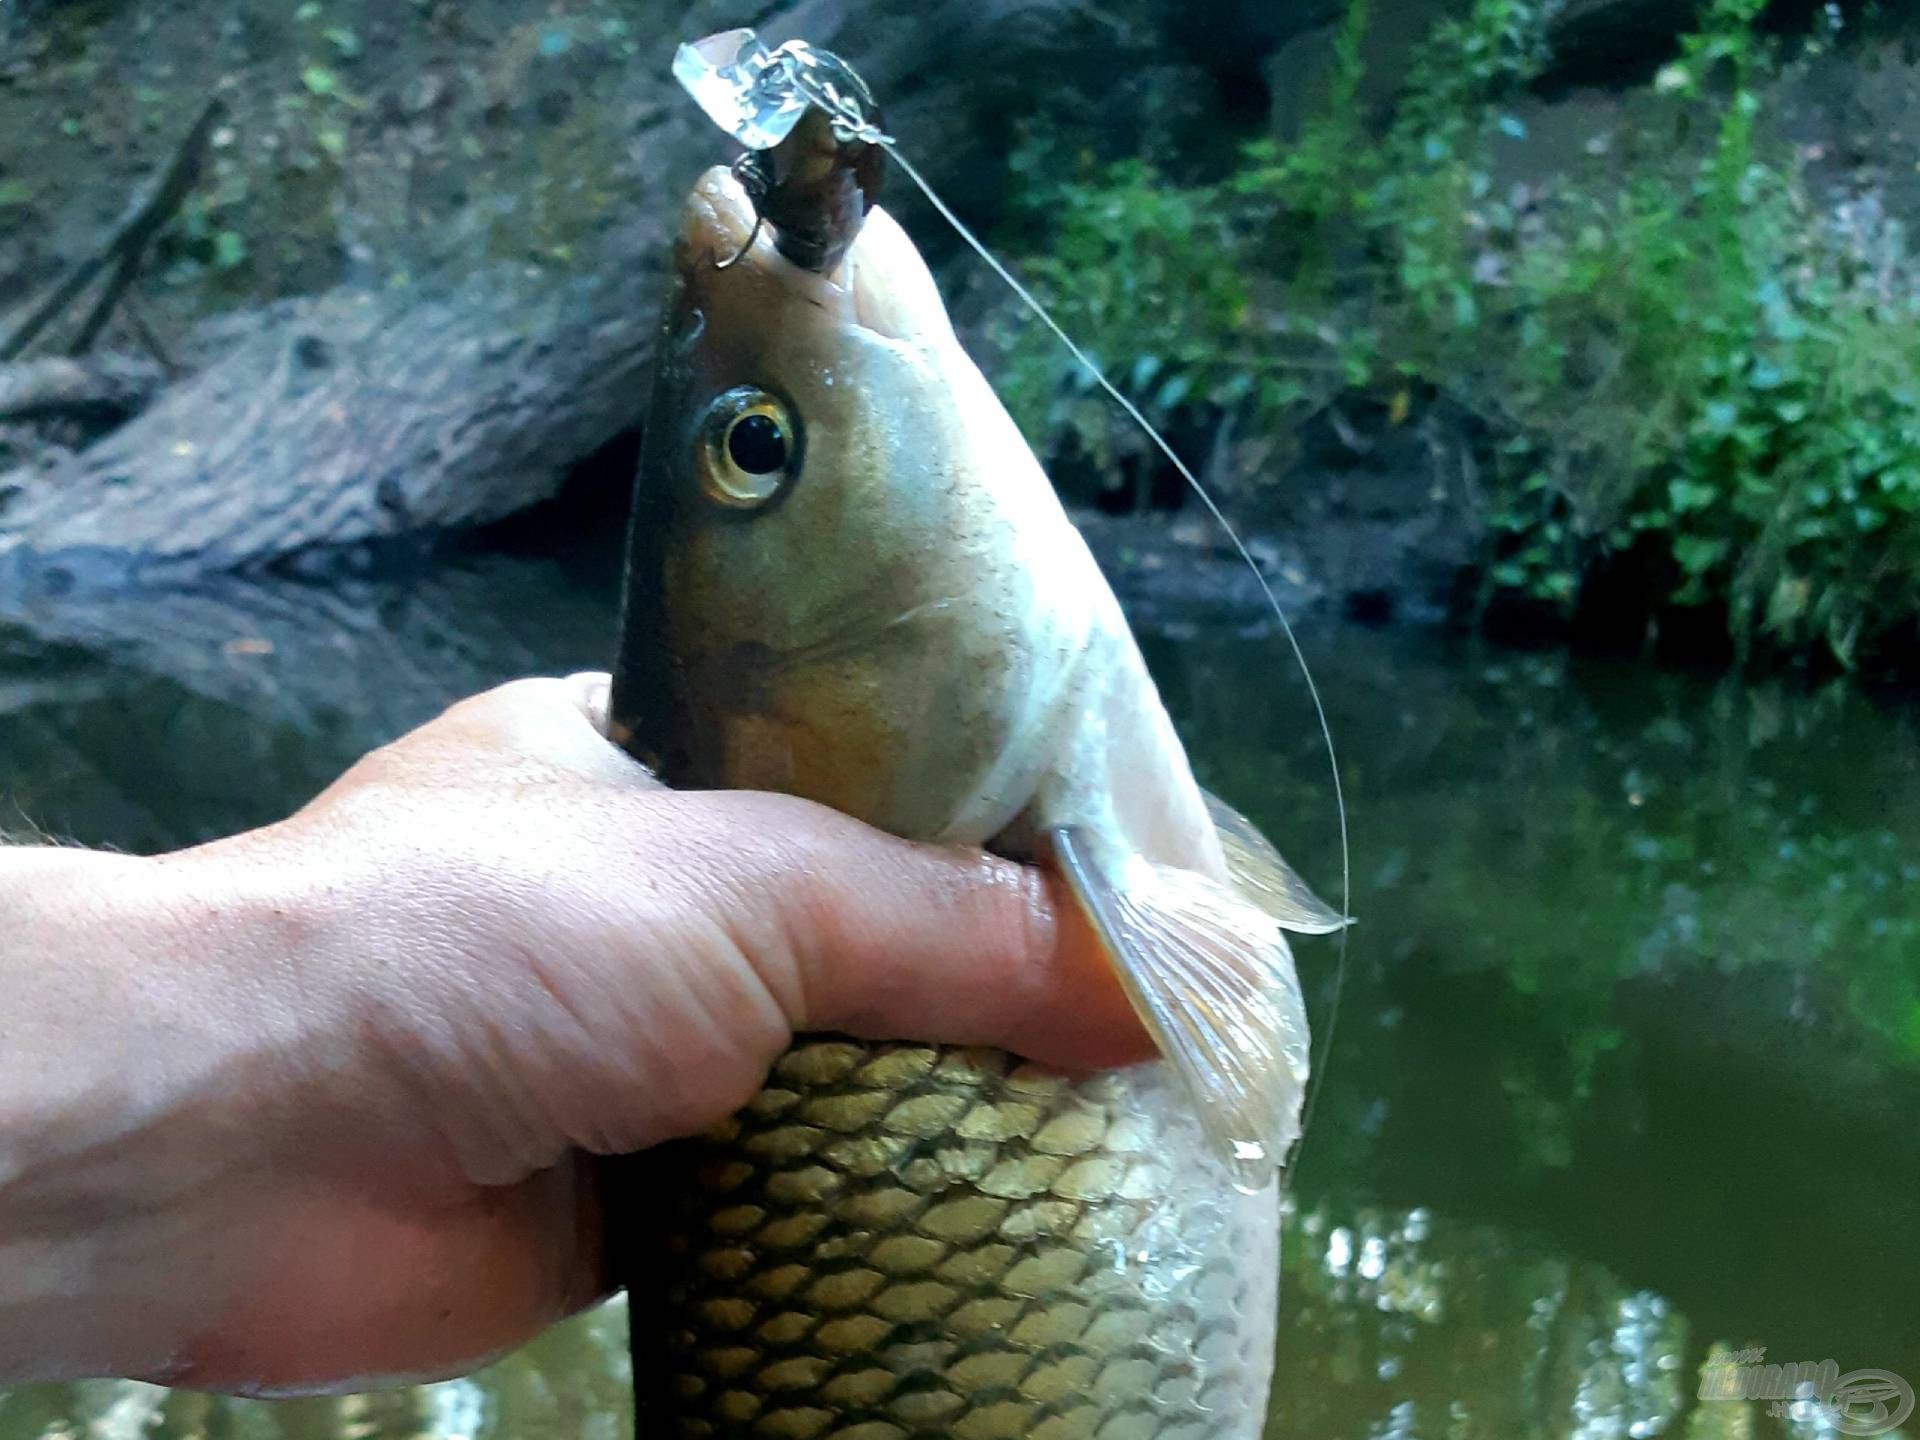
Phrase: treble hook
(752, 235)
(751, 173)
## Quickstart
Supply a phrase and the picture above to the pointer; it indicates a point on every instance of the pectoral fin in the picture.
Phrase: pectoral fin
(1211, 976)
(1266, 879)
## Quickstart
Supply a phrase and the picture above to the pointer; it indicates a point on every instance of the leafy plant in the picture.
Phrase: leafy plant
(1688, 373)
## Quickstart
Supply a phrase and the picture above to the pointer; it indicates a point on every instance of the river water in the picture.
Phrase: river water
(1627, 1065)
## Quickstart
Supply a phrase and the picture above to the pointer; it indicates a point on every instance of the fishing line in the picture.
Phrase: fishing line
(1316, 1081)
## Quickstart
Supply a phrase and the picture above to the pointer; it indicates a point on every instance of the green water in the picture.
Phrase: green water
(1628, 1058)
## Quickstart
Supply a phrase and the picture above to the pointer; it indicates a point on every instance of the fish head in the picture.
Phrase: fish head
(822, 547)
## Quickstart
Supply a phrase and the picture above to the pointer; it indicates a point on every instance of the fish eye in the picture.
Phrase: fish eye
(750, 449)
(757, 444)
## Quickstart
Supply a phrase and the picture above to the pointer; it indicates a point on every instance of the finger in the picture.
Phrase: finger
(893, 939)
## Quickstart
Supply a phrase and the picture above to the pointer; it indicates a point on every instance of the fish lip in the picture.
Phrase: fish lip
(716, 225)
(716, 220)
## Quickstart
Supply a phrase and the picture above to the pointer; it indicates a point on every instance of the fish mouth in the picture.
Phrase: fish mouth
(883, 287)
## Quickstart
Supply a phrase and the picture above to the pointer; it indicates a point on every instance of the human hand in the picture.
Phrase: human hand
(346, 1139)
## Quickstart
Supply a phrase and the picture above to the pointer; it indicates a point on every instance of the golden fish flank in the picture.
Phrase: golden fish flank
(850, 580)
(895, 1241)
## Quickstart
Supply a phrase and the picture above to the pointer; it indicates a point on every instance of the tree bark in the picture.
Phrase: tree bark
(350, 418)
(91, 393)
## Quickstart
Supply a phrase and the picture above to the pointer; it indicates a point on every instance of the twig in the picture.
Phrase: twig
(125, 248)
(143, 332)
(76, 280)
(139, 233)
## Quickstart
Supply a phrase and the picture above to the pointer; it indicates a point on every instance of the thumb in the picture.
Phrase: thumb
(894, 940)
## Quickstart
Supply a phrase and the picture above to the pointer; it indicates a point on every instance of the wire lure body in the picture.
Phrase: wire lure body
(813, 160)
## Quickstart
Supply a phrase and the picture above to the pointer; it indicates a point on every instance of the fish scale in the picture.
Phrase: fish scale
(894, 1241)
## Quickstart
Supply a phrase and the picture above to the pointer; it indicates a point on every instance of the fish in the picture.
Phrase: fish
(849, 579)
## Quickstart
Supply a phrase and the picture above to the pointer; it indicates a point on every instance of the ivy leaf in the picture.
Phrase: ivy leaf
(1689, 495)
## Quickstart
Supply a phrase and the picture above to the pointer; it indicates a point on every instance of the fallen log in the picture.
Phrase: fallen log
(355, 417)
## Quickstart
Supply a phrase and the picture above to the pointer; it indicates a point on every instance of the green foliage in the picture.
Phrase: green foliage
(1682, 370)
(1134, 252)
(320, 81)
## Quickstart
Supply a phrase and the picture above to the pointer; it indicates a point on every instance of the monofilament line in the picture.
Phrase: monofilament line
(1317, 1080)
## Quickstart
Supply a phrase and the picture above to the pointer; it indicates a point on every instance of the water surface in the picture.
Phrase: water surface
(1628, 1057)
